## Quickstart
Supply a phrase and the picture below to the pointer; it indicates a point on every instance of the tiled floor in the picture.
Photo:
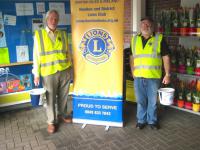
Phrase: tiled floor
(25, 129)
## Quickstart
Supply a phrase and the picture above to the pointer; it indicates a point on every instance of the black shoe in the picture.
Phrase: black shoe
(140, 126)
(154, 126)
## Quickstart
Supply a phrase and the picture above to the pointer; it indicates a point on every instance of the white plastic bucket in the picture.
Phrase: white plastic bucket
(35, 96)
(166, 96)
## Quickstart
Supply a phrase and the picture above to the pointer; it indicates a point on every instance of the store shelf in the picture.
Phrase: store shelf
(186, 36)
(9, 99)
(187, 110)
(186, 75)
(17, 64)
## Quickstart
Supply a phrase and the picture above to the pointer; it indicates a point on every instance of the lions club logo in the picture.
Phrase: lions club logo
(96, 46)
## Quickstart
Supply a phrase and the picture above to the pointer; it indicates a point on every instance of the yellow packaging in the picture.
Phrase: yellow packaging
(196, 107)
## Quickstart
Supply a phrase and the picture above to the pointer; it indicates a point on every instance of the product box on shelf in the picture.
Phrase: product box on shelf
(3, 88)
(26, 81)
(13, 85)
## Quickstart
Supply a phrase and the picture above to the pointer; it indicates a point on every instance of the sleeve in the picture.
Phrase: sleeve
(36, 62)
(164, 48)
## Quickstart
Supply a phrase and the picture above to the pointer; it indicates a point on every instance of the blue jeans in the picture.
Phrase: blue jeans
(146, 96)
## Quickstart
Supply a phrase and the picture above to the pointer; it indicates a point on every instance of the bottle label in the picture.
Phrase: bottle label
(189, 97)
(198, 63)
(188, 62)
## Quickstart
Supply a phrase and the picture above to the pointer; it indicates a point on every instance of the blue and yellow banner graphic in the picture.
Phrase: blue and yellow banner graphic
(97, 43)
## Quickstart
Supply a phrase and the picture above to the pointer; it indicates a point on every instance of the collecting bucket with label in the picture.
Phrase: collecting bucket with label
(35, 96)
(166, 96)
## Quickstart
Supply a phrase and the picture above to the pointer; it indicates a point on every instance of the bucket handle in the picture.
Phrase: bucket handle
(159, 94)
(166, 85)
(36, 87)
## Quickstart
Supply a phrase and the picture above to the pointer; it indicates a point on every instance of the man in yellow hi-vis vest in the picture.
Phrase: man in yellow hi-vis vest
(52, 61)
(149, 53)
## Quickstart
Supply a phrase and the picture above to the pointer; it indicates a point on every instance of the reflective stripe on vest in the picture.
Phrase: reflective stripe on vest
(155, 46)
(147, 60)
(52, 52)
(54, 58)
(147, 67)
(147, 55)
(133, 45)
(53, 63)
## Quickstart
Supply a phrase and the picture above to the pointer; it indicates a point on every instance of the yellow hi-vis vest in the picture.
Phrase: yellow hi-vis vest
(53, 56)
(147, 61)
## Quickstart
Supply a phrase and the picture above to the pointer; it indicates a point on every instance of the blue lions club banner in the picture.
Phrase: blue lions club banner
(97, 43)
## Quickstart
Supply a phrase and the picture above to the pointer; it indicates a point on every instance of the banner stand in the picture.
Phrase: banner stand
(106, 128)
(84, 125)
(98, 62)
(99, 111)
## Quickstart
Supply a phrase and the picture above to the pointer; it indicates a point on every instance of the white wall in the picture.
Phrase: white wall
(138, 10)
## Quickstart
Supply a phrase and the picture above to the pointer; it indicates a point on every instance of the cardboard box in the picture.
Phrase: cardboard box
(26, 81)
(13, 85)
(3, 88)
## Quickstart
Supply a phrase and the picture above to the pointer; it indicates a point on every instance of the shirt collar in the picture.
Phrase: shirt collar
(49, 31)
(140, 34)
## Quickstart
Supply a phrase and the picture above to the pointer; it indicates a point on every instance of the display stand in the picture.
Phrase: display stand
(84, 125)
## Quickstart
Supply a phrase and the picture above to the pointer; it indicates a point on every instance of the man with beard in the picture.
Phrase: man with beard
(149, 53)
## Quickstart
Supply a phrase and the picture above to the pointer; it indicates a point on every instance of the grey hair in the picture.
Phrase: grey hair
(51, 11)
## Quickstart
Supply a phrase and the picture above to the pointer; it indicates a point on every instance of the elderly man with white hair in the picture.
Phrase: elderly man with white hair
(52, 62)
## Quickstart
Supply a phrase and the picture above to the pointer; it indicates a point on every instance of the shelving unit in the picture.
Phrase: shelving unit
(187, 75)
(185, 36)
(184, 109)
(181, 40)
(9, 99)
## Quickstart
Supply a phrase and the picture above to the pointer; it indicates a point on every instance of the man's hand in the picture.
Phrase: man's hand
(36, 81)
(166, 79)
